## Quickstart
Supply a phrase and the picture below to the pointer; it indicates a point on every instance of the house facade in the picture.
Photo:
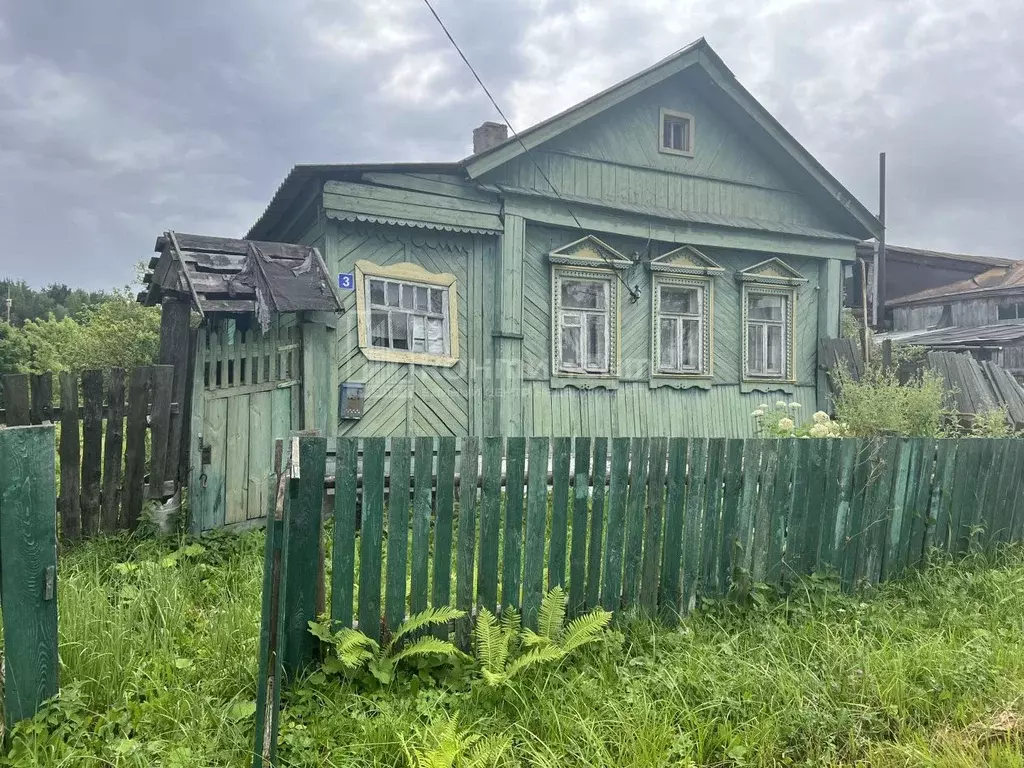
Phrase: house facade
(656, 260)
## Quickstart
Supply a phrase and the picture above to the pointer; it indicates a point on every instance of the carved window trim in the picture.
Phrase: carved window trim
(705, 285)
(607, 276)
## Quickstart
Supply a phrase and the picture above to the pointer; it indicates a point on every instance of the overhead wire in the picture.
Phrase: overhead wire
(634, 293)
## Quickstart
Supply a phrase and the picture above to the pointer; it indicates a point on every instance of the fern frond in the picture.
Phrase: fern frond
(426, 646)
(544, 654)
(353, 648)
(491, 643)
(552, 614)
(531, 639)
(428, 618)
(486, 752)
(585, 629)
(511, 621)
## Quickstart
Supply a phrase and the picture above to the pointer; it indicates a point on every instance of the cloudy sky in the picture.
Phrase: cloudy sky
(119, 118)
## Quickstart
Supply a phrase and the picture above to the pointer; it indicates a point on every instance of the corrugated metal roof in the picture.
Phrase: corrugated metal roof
(992, 281)
(982, 335)
(866, 249)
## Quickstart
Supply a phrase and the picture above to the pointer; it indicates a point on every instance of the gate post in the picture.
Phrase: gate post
(28, 568)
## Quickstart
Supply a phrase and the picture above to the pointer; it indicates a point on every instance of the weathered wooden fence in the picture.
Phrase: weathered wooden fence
(103, 452)
(28, 569)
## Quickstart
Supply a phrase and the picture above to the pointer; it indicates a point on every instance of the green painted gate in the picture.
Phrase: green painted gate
(246, 393)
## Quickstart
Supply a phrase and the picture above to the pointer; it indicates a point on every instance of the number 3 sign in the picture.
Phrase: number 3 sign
(346, 281)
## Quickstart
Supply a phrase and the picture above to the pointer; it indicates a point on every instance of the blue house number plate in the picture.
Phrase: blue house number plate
(346, 281)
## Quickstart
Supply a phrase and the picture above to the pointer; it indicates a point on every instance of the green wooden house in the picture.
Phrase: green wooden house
(657, 260)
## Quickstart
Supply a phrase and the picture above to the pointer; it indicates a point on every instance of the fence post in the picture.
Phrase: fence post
(70, 459)
(92, 449)
(111, 497)
(42, 398)
(16, 399)
(28, 562)
(135, 447)
(160, 426)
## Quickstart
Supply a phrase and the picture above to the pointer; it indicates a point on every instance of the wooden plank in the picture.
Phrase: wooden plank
(967, 460)
(894, 561)
(42, 398)
(653, 525)
(728, 549)
(829, 504)
(596, 542)
(490, 519)
(371, 532)
(512, 556)
(70, 459)
(174, 351)
(111, 498)
(611, 587)
(398, 533)
(28, 556)
(578, 544)
(753, 450)
(711, 531)
(836, 542)
(796, 527)
(465, 549)
(92, 450)
(820, 453)
(782, 502)
(1010, 474)
(990, 512)
(536, 525)
(236, 462)
(260, 447)
(444, 501)
(421, 513)
(561, 450)
(1016, 492)
(135, 452)
(343, 553)
(937, 529)
(854, 526)
(695, 501)
(160, 424)
(634, 533)
(669, 586)
(917, 503)
(763, 510)
(18, 409)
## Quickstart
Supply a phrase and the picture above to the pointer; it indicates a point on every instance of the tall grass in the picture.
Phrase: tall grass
(158, 650)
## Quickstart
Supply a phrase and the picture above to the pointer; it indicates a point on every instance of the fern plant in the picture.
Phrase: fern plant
(504, 649)
(444, 745)
(354, 652)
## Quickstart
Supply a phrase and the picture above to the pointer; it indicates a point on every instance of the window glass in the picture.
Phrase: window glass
(407, 316)
(679, 300)
(376, 292)
(596, 343)
(680, 319)
(584, 320)
(393, 290)
(583, 294)
(436, 301)
(379, 328)
(763, 307)
(769, 334)
(669, 344)
(572, 357)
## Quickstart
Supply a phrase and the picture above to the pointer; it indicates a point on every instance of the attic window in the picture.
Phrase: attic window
(676, 133)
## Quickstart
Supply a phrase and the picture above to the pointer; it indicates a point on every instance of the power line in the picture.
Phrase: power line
(633, 293)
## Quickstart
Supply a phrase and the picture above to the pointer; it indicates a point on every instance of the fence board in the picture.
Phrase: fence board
(669, 587)
(611, 587)
(729, 547)
(763, 510)
(371, 533)
(160, 426)
(421, 509)
(16, 399)
(596, 542)
(42, 398)
(753, 451)
(894, 559)
(397, 533)
(1016, 491)
(695, 489)
(855, 534)
(782, 503)
(877, 512)
(343, 553)
(578, 541)
(918, 507)
(28, 555)
(821, 454)
(561, 450)
(444, 501)
(69, 503)
(653, 523)
(465, 548)
(490, 513)
(963, 481)
(536, 523)
(111, 498)
(634, 539)
(711, 524)
(135, 452)
(796, 533)
(996, 509)
(512, 554)
(92, 450)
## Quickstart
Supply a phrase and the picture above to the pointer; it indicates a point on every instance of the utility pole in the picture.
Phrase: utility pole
(880, 265)
(7, 304)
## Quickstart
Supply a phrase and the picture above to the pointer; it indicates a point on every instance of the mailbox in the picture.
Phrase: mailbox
(350, 400)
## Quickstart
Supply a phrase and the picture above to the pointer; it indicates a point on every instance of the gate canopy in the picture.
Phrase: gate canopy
(223, 275)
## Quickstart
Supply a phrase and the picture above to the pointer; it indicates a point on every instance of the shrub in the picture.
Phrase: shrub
(879, 404)
(783, 420)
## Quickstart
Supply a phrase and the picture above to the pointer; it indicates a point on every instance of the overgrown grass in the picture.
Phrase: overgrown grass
(158, 650)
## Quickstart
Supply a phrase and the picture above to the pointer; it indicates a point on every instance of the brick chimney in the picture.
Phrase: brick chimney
(488, 135)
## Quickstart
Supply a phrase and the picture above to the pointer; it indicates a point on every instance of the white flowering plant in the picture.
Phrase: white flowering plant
(783, 420)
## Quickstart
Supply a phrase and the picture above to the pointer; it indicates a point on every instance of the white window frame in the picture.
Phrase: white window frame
(411, 276)
(559, 315)
(673, 115)
(705, 298)
(787, 324)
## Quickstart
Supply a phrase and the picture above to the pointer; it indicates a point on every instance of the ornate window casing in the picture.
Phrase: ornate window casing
(682, 314)
(585, 310)
(406, 314)
(769, 294)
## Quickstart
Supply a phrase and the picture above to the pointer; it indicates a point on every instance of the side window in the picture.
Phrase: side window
(681, 327)
(768, 336)
(584, 322)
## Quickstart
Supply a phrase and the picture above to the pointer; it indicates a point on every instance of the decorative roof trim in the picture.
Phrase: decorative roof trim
(685, 260)
(772, 271)
(333, 213)
(589, 251)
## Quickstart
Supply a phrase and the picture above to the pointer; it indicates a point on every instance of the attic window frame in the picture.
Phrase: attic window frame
(671, 114)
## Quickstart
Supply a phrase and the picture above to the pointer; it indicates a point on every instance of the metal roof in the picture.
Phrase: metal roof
(866, 249)
(1006, 279)
(995, 334)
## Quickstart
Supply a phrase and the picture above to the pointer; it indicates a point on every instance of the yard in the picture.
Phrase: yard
(158, 651)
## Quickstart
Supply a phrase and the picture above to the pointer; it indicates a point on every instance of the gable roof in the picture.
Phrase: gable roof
(697, 54)
(866, 250)
(994, 281)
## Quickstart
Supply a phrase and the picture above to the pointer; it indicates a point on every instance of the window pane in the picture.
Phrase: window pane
(684, 135)
(690, 346)
(436, 301)
(596, 343)
(766, 307)
(679, 301)
(421, 298)
(666, 139)
(1007, 311)
(392, 291)
(775, 351)
(419, 341)
(399, 329)
(755, 348)
(668, 355)
(376, 292)
(435, 336)
(407, 297)
(379, 329)
(571, 347)
(583, 294)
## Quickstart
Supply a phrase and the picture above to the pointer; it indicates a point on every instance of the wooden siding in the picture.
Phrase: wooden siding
(964, 313)
(405, 399)
(616, 159)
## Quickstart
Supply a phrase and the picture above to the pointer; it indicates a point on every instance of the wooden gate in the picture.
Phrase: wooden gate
(249, 388)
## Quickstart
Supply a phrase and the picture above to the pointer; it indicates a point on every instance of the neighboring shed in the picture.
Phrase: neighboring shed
(265, 310)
